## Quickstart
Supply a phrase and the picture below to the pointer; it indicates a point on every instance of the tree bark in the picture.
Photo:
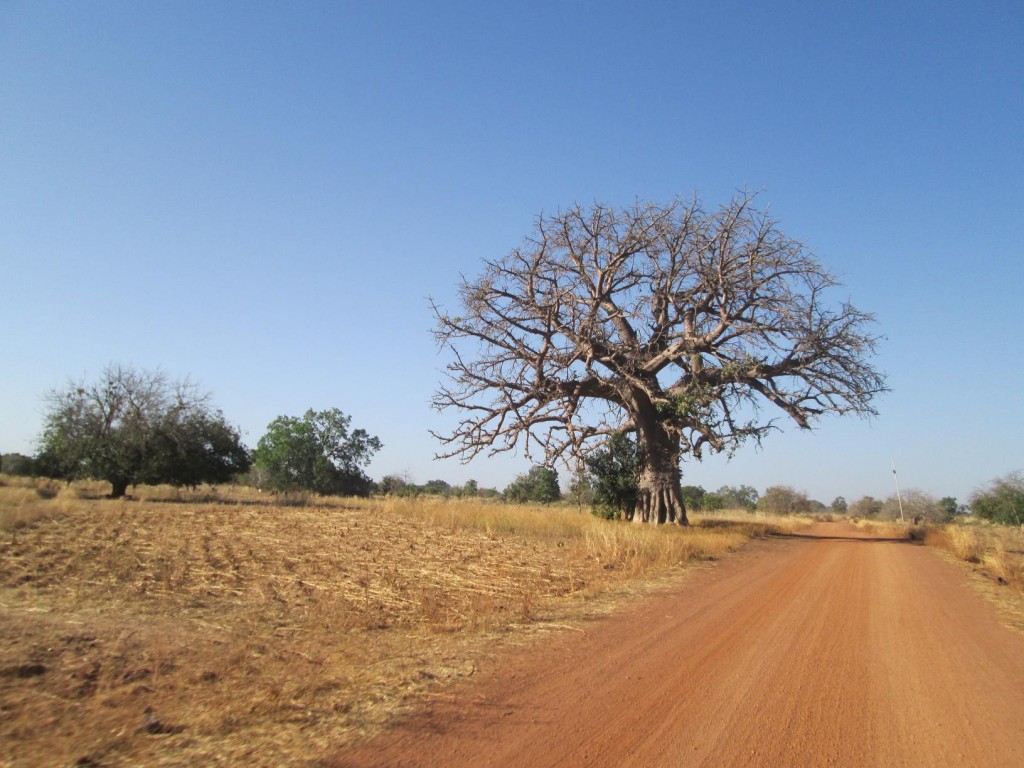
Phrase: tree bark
(660, 499)
(659, 492)
(119, 487)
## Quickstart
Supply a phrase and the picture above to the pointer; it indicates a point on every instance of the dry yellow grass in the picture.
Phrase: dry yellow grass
(995, 556)
(996, 550)
(886, 529)
(218, 627)
(959, 541)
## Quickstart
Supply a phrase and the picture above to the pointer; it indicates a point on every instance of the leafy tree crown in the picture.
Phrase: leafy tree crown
(133, 426)
(316, 452)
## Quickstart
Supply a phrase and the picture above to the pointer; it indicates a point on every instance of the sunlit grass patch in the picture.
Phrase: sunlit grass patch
(258, 630)
(997, 549)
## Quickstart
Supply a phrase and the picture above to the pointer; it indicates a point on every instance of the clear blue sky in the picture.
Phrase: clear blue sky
(263, 195)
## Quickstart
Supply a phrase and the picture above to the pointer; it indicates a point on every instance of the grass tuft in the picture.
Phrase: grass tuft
(998, 550)
(959, 541)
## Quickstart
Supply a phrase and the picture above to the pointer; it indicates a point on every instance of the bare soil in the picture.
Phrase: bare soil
(232, 629)
(830, 647)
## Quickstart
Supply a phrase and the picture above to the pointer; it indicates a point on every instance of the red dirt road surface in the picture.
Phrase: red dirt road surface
(825, 649)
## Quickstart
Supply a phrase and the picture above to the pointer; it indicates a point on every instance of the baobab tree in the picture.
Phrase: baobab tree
(692, 329)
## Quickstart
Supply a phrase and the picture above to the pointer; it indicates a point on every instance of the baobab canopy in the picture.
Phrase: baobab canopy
(695, 329)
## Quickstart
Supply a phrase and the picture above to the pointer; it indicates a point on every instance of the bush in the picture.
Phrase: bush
(693, 496)
(17, 465)
(1002, 502)
(865, 506)
(783, 500)
(741, 497)
(615, 475)
(539, 485)
(316, 453)
(712, 502)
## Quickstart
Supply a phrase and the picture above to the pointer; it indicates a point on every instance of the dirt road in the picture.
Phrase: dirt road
(823, 649)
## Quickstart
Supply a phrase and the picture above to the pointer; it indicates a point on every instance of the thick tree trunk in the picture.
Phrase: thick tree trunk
(659, 494)
(660, 499)
(119, 487)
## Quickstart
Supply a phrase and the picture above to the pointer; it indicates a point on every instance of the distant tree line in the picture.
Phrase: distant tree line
(916, 506)
(18, 465)
(608, 482)
(393, 485)
(131, 427)
(538, 485)
(1002, 501)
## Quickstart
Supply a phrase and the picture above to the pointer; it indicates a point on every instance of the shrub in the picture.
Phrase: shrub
(539, 485)
(316, 453)
(615, 474)
(783, 500)
(17, 465)
(865, 506)
(1002, 502)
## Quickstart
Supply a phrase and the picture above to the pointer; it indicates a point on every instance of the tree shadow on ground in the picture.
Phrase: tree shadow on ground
(271, 502)
(852, 539)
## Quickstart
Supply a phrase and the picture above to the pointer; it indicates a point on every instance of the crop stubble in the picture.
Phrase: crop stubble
(157, 633)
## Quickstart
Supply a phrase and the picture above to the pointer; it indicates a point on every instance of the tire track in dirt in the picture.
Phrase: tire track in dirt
(827, 648)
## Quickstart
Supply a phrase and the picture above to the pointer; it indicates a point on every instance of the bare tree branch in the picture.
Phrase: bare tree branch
(686, 325)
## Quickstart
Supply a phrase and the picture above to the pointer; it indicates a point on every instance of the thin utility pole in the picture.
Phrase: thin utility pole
(899, 498)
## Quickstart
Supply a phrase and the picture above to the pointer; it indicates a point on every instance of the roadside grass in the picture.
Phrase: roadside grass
(996, 551)
(220, 626)
(889, 529)
(994, 555)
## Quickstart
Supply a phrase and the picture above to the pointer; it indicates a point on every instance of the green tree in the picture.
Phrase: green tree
(712, 502)
(518, 491)
(866, 506)
(17, 464)
(1002, 501)
(949, 507)
(471, 488)
(738, 497)
(693, 496)
(839, 505)
(132, 427)
(678, 324)
(390, 484)
(191, 447)
(615, 477)
(437, 488)
(539, 485)
(318, 453)
(545, 485)
(783, 500)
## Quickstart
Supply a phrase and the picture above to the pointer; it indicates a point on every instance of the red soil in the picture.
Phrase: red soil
(828, 648)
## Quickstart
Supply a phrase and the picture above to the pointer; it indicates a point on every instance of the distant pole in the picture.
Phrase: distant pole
(899, 498)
